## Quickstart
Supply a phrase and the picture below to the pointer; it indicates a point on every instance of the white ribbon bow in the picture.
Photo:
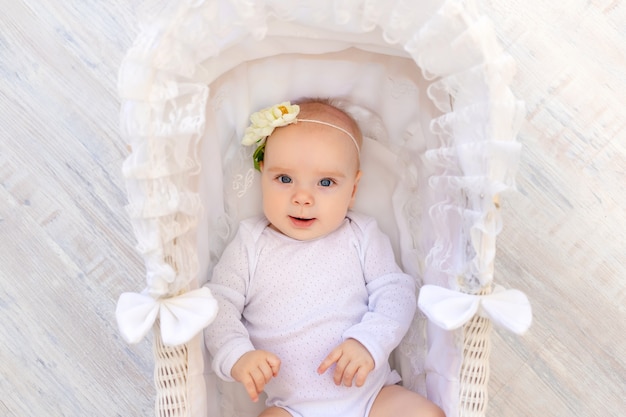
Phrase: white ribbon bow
(182, 317)
(450, 309)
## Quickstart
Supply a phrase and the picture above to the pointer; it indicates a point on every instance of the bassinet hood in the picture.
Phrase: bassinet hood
(166, 84)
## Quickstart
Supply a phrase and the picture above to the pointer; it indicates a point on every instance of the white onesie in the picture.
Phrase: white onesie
(301, 299)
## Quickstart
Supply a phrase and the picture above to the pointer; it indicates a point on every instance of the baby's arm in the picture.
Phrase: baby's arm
(392, 300)
(255, 369)
(353, 363)
(227, 338)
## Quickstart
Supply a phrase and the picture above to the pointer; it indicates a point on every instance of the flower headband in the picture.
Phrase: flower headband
(263, 123)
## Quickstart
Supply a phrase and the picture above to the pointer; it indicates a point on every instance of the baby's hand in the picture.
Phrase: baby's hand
(352, 359)
(255, 369)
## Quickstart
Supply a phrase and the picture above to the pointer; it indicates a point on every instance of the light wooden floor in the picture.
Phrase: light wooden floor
(66, 248)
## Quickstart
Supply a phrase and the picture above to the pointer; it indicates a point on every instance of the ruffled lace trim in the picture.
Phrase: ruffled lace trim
(163, 111)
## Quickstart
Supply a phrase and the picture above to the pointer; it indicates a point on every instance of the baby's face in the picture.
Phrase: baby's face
(309, 179)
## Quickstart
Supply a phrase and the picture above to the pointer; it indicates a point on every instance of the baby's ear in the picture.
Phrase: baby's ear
(356, 186)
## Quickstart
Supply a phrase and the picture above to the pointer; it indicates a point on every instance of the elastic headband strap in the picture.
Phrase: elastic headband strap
(356, 144)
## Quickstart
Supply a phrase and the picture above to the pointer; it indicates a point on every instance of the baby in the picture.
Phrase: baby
(311, 301)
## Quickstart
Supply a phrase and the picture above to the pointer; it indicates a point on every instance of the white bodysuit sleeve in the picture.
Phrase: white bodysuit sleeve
(227, 338)
(392, 298)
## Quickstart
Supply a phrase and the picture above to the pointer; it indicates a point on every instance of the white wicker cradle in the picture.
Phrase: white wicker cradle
(428, 83)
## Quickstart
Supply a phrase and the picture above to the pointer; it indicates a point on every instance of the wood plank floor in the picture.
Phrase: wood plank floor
(66, 246)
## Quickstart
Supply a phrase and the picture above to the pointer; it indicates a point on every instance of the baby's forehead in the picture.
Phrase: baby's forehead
(321, 142)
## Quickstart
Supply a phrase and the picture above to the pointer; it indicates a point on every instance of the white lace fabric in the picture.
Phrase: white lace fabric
(427, 82)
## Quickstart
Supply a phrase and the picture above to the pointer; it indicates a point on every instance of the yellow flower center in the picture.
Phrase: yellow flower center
(283, 109)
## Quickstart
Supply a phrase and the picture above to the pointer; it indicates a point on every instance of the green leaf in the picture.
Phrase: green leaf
(258, 156)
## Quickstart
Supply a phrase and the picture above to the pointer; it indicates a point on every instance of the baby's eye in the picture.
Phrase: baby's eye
(284, 179)
(326, 182)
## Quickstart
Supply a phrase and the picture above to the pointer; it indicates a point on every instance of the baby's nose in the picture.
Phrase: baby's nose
(302, 197)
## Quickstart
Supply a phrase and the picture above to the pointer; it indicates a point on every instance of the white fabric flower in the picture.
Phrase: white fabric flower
(263, 122)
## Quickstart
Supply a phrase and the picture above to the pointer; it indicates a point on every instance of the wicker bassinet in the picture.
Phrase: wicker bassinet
(427, 82)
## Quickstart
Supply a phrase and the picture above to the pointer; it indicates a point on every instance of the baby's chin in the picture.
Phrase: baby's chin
(295, 235)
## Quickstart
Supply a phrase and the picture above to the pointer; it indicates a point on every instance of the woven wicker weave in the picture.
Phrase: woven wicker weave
(170, 378)
(474, 375)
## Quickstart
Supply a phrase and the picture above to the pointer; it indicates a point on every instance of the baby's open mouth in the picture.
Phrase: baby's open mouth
(301, 221)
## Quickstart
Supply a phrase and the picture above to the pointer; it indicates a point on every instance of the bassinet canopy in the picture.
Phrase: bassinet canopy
(429, 85)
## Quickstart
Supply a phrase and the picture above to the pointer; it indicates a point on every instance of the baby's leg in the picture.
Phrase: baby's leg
(275, 412)
(397, 401)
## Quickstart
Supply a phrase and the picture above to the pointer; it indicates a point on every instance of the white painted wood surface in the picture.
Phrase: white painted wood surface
(66, 248)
